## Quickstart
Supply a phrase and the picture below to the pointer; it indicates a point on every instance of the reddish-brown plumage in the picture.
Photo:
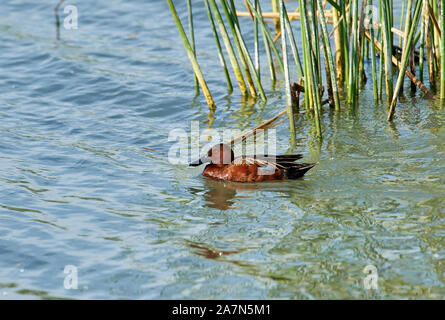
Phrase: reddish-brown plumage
(240, 173)
(223, 166)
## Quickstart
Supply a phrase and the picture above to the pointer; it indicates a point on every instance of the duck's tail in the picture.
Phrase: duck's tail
(298, 170)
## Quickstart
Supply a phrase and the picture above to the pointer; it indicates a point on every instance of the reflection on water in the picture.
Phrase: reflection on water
(218, 195)
(221, 194)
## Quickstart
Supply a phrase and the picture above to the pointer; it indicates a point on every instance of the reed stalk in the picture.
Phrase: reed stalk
(256, 48)
(306, 61)
(315, 41)
(381, 59)
(311, 85)
(218, 46)
(338, 47)
(387, 48)
(56, 13)
(442, 51)
(407, 25)
(361, 46)
(407, 22)
(430, 55)
(191, 55)
(353, 57)
(328, 56)
(260, 20)
(232, 57)
(290, 112)
(267, 34)
(423, 27)
(397, 63)
(401, 21)
(437, 34)
(373, 62)
(294, 47)
(237, 38)
(192, 38)
(242, 45)
(233, 10)
(405, 52)
(275, 9)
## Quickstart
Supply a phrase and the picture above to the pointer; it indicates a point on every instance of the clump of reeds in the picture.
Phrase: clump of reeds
(337, 36)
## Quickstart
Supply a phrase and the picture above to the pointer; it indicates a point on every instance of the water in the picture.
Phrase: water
(78, 188)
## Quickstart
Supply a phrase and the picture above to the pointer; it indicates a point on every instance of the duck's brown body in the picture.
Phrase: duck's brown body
(224, 166)
(240, 173)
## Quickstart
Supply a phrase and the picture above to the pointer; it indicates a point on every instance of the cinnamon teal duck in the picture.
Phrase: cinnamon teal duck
(222, 165)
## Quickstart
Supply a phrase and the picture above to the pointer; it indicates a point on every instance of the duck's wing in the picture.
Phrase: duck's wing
(298, 170)
(280, 161)
(249, 160)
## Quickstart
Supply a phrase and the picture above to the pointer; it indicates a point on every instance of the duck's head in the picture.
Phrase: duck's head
(220, 154)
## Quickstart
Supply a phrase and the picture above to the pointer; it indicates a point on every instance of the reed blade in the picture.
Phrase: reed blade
(289, 108)
(191, 55)
(229, 48)
(192, 37)
(442, 51)
(218, 46)
(328, 56)
(237, 39)
(405, 54)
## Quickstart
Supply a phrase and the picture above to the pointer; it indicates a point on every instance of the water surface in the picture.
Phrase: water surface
(78, 188)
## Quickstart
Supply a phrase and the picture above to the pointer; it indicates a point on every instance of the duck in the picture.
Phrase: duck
(222, 165)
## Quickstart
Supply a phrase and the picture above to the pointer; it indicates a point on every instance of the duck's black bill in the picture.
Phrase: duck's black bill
(196, 163)
(203, 159)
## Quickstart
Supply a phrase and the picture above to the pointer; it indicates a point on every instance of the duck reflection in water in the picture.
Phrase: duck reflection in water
(221, 194)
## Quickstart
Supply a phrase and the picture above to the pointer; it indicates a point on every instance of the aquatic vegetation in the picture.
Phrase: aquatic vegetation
(355, 27)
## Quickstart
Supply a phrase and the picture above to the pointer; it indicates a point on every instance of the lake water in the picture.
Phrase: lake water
(79, 189)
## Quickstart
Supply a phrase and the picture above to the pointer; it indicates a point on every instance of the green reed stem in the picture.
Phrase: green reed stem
(422, 42)
(275, 8)
(315, 41)
(292, 43)
(192, 37)
(328, 56)
(387, 49)
(429, 49)
(191, 55)
(353, 57)
(361, 43)
(266, 33)
(266, 43)
(373, 62)
(442, 51)
(407, 22)
(405, 53)
(218, 46)
(407, 25)
(255, 43)
(310, 67)
(232, 57)
(309, 104)
(345, 42)
(237, 38)
(247, 56)
(401, 21)
(289, 108)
